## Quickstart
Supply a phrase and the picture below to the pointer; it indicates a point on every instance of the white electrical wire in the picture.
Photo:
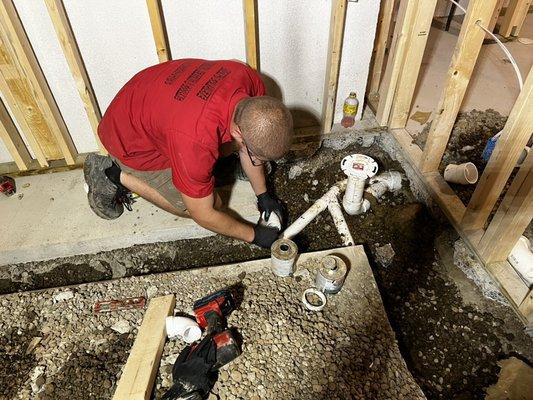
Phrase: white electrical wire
(505, 50)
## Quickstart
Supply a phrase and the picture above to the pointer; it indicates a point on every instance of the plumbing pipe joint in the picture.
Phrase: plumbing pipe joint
(384, 182)
(358, 168)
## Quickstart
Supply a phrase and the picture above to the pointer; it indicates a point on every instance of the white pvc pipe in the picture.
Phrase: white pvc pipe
(382, 183)
(183, 327)
(311, 213)
(352, 201)
(340, 222)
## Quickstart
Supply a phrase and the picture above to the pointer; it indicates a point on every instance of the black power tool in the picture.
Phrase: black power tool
(195, 370)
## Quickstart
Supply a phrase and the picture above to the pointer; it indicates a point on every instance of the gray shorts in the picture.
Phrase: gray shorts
(159, 180)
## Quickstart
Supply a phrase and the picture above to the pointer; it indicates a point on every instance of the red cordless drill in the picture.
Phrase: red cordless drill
(211, 312)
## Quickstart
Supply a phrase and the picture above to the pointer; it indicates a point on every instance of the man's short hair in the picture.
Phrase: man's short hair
(266, 125)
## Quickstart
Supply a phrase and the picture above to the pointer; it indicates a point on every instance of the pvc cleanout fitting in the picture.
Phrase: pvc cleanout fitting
(283, 257)
(184, 328)
(382, 183)
(358, 168)
(331, 274)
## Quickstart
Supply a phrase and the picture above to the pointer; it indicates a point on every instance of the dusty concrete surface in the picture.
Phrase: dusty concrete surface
(515, 381)
(346, 351)
(435, 310)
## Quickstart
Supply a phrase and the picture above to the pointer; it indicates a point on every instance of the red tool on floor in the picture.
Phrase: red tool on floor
(211, 312)
(7, 185)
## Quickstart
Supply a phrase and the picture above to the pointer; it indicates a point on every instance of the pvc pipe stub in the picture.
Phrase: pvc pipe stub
(313, 299)
(283, 257)
(331, 274)
(359, 165)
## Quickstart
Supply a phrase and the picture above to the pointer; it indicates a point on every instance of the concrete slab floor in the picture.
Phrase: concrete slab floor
(493, 84)
(49, 217)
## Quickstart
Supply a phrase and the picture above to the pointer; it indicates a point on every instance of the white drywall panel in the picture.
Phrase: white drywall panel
(359, 33)
(116, 42)
(210, 29)
(42, 35)
(4, 154)
(293, 45)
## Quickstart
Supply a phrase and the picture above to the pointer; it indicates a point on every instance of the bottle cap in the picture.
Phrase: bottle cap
(353, 94)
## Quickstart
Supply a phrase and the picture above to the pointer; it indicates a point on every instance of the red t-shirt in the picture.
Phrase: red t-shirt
(176, 115)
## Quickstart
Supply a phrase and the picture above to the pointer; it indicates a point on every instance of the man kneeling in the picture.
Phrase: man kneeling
(167, 127)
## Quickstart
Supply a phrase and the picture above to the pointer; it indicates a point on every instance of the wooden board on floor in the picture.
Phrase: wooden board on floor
(138, 376)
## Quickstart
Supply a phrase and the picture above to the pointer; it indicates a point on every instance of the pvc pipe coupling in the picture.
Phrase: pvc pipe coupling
(358, 168)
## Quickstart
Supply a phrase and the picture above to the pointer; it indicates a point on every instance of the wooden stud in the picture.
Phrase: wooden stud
(514, 17)
(13, 141)
(139, 373)
(526, 308)
(58, 15)
(416, 45)
(380, 45)
(457, 80)
(157, 21)
(387, 89)
(512, 218)
(25, 79)
(510, 145)
(251, 33)
(336, 34)
(495, 17)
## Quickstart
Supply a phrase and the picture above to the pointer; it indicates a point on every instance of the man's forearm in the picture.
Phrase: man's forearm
(224, 224)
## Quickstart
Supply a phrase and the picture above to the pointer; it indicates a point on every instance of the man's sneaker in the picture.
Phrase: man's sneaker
(104, 196)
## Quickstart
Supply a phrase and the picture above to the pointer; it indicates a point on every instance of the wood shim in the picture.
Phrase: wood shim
(139, 373)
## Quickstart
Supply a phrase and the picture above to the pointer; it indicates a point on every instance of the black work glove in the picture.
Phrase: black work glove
(268, 204)
(265, 236)
(193, 372)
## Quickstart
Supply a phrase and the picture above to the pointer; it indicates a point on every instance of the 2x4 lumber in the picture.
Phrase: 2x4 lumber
(336, 35)
(512, 218)
(155, 11)
(514, 17)
(251, 33)
(416, 45)
(380, 47)
(13, 141)
(65, 35)
(387, 89)
(515, 135)
(495, 17)
(526, 308)
(139, 373)
(25, 79)
(457, 79)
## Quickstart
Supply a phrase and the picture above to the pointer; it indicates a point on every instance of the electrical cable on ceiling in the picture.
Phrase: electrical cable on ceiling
(505, 50)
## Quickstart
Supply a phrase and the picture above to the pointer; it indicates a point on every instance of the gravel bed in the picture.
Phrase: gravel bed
(346, 351)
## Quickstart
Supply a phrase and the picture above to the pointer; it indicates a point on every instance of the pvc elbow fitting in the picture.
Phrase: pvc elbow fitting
(184, 328)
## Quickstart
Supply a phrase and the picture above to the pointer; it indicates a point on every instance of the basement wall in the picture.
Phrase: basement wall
(115, 40)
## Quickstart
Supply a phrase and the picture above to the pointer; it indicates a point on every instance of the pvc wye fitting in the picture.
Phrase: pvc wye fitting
(358, 168)
(184, 328)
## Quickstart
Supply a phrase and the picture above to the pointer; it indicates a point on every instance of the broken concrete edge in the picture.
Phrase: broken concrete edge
(64, 250)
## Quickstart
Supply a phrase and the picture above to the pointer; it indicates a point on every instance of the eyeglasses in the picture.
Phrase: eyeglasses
(256, 161)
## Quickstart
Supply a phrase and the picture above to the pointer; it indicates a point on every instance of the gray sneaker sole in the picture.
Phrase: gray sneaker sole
(93, 169)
